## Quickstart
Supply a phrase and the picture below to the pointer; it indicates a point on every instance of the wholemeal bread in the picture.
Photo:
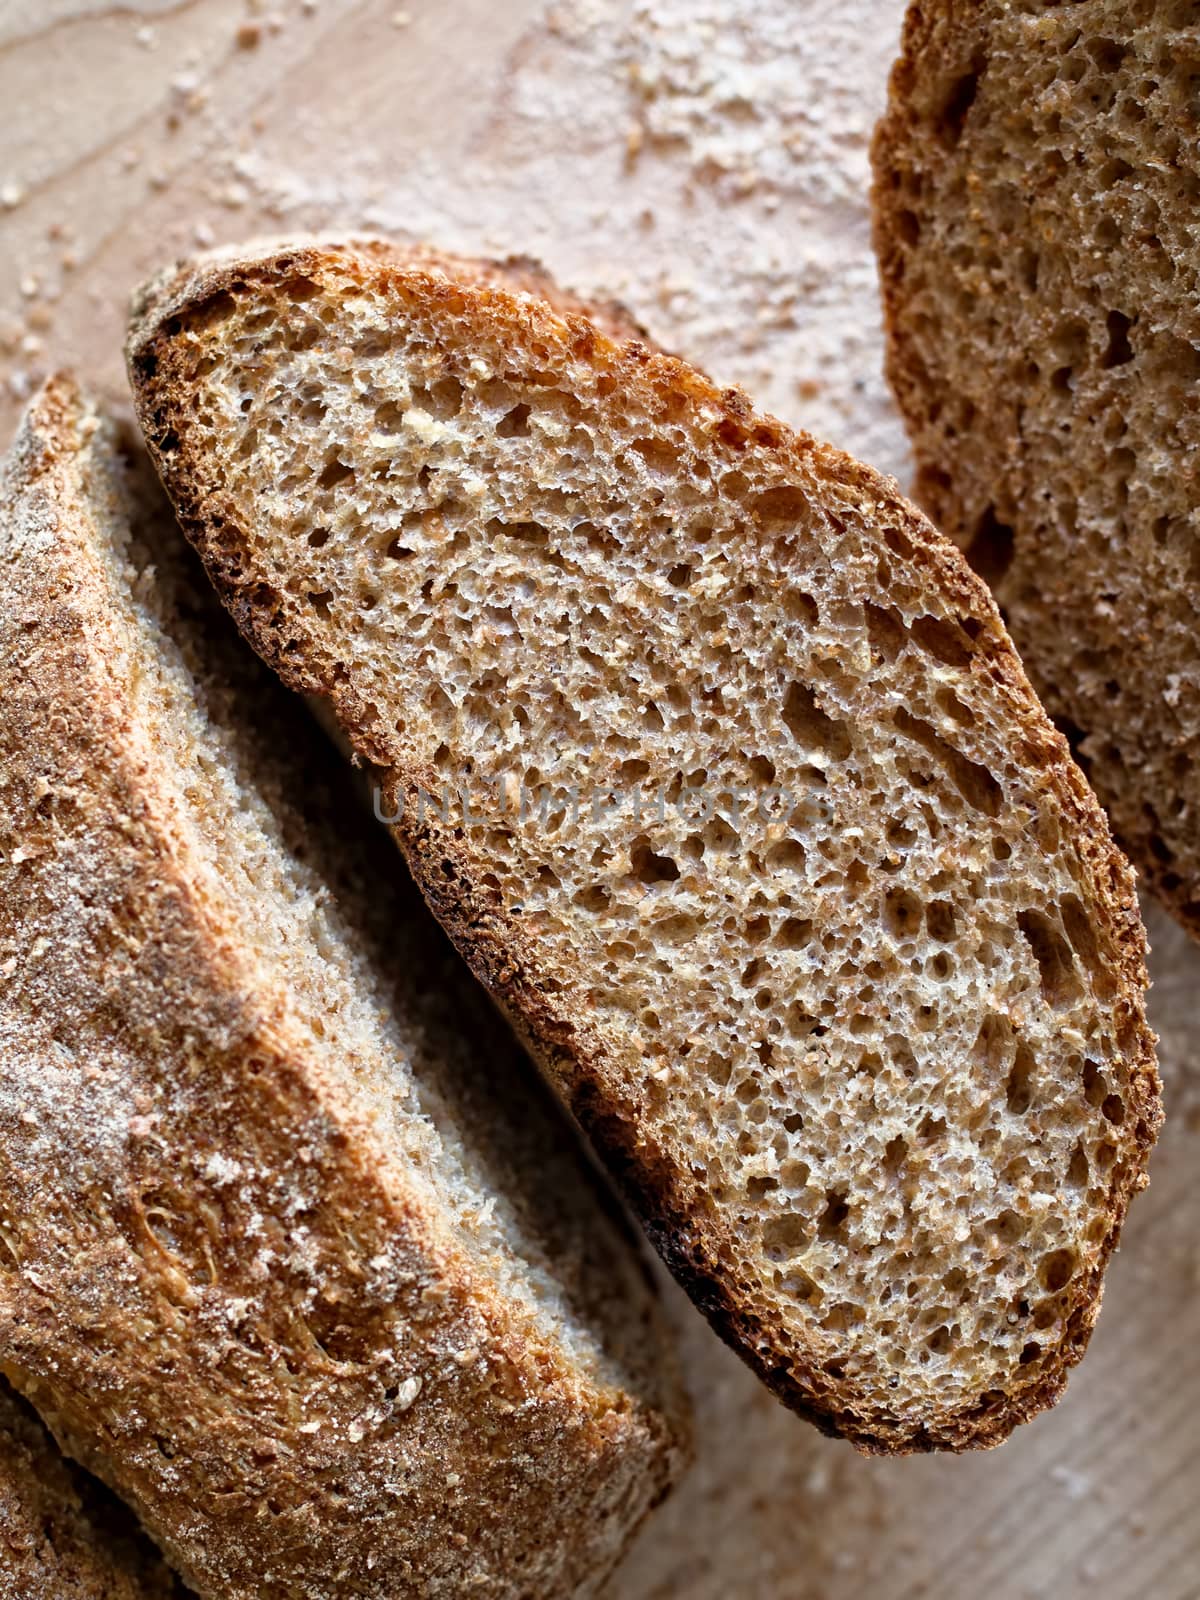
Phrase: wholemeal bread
(293, 1257)
(1036, 181)
(718, 765)
(62, 1536)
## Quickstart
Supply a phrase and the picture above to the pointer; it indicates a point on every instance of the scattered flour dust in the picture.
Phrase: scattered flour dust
(706, 161)
(762, 97)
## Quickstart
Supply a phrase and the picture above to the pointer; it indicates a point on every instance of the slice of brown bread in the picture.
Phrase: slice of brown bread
(62, 1535)
(1036, 181)
(870, 1059)
(292, 1257)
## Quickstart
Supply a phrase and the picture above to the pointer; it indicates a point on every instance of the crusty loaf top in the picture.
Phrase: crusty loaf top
(292, 1256)
(869, 1053)
(1038, 171)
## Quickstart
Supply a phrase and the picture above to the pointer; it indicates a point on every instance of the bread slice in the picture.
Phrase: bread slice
(293, 1255)
(718, 765)
(1036, 179)
(62, 1537)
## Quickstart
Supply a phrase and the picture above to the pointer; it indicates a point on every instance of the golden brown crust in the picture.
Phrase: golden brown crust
(676, 1209)
(1014, 412)
(223, 1291)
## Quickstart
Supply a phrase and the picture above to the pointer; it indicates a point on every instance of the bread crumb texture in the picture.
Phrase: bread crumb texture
(871, 1057)
(291, 1254)
(62, 1536)
(1037, 175)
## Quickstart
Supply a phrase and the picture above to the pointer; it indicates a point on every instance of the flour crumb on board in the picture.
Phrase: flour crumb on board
(741, 88)
(771, 109)
(1074, 1484)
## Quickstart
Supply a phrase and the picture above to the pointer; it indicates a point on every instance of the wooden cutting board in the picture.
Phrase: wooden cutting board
(704, 159)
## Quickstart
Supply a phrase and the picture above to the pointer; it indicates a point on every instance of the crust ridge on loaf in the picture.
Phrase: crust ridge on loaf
(866, 1047)
(291, 1253)
(1036, 178)
(62, 1536)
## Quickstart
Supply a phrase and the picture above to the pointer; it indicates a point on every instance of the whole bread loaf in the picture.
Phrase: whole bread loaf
(294, 1256)
(62, 1536)
(1037, 174)
(717, 763)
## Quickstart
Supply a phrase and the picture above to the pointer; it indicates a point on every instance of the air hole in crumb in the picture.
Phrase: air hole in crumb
(900, 835)
(800, 1286)
(813, 727)
(319, 538)
(595, 899)
(658, 455)
(335, 472)
(1009, 1226)
(895, 1153)
(885, 631)
(1113, 1108)
(299, 288)
(787, 856)
(794, 933)
(514, 424)
(801, 607)
(940, 921)
(1018, 1091)
(902, 912)
(1119, 351)
(991, 548)
(1057, 1269)
(954, 708)
(1082, 934)
(782, 504)
(943, 639)
(958, 102)
(1079, 1170)
(650, 868)
(785, 1236)
(833, 1218)
(972, 780)
(1055, 960)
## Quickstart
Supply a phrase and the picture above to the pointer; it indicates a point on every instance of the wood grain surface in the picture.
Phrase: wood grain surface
(705, 160)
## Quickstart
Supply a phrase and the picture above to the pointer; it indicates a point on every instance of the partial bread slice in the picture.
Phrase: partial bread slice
(877, 1077)
(292, 1255)
(1037, 173)
(62, 1537)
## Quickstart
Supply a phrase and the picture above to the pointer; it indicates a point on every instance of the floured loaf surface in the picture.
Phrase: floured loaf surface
(293, 1258)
